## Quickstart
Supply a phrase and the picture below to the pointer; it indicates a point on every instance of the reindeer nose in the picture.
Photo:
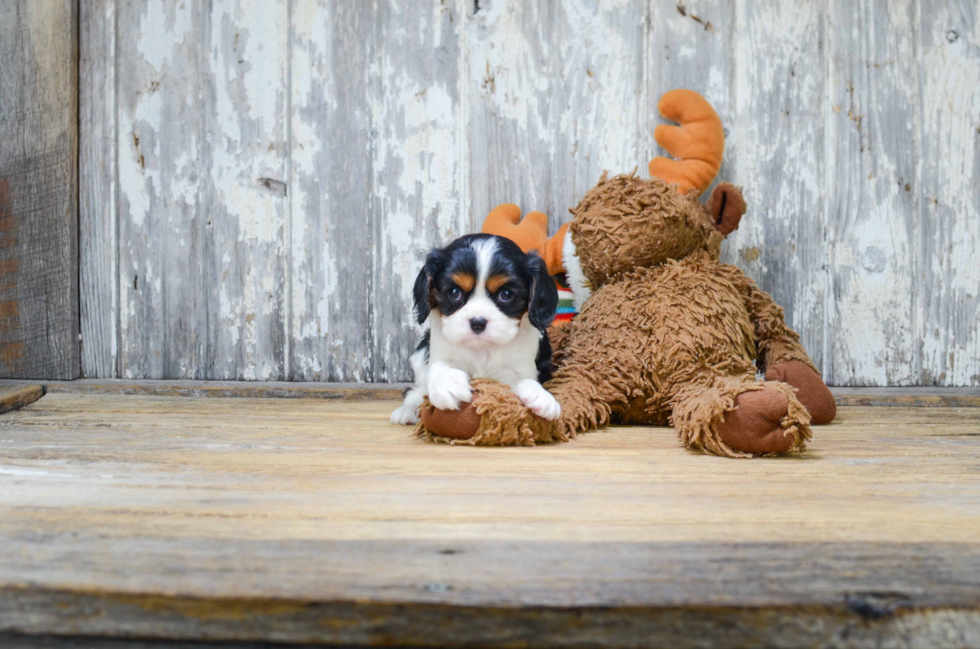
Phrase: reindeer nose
(478, 324)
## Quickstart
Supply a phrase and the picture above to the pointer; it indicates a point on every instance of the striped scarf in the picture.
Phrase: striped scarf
(566, 303)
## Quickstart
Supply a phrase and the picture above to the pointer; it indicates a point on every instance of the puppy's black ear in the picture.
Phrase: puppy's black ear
(544, 293)
(423, 284)
(421, 294)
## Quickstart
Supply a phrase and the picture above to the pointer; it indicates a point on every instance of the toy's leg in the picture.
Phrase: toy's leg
(812, 392)
(737, 416)
(496, 416)
(781, 356)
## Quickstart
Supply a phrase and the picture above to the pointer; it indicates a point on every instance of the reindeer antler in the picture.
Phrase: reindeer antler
(699, 141)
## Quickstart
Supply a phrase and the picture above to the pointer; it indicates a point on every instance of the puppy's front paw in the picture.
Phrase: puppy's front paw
(450, 388)
(405, 415)
(539, 400)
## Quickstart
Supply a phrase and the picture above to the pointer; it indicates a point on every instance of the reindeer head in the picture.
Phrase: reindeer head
(626, 222)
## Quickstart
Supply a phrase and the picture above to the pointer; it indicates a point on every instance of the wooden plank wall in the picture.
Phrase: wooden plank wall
(261, 180)
(38, 189)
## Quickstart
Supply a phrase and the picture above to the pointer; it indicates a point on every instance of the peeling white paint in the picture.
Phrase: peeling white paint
(240, 211)
(163, 27)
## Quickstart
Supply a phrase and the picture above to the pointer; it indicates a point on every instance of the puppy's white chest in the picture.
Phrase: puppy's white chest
(508, 364)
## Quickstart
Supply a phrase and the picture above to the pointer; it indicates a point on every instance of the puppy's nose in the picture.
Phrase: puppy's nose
(478, 324)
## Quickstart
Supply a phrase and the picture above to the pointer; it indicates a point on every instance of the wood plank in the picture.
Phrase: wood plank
(510, 80)
(98, 245)
(906, 397)
(557, 96)
(304, 520)
(420, 191)
(19, 641)
(237, 389)
(38, 189)
(163, 200)
(361, 223)
(871, 167)
(16, 395)
(247, 167)
(881, 475)
(948, 194)
(331, 224)
(202, 173)
(418, 614)
(598, 97)
(777, 132)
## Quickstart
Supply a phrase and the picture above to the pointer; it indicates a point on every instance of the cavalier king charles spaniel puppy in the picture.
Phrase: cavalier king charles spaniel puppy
(488, 305)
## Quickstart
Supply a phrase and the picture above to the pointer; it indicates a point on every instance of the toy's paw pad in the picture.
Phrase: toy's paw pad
(539, 400)
(405, 415)
(754, 426)
(457, 424)
(812, 392)
(451, 388)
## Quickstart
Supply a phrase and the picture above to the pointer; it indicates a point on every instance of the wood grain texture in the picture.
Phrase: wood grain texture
(904, 397)
(21, 641)
(247, 164)
(163, 200)
(18, 395)
(330, 217)
(545, 78)
(306, 520)
(873, 129)
(377, 164)
(247, 389)
(98, 264)
(201, 140)
(38, 189)
(908, 397)
(881, 474)
(299, 173)
(948, 194)
(778, 135)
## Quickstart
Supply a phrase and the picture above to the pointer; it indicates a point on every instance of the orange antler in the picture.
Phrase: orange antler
(699, 141)
(530, 233)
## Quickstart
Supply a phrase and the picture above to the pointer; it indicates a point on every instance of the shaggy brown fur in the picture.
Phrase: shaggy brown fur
(669, 335)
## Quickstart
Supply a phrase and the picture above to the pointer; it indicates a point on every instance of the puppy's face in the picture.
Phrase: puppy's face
(482, 286)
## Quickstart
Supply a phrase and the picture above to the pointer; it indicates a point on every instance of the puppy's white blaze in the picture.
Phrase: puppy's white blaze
(500, 330)
(485, 249)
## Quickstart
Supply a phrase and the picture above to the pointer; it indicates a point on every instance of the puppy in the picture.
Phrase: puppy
(488, 305)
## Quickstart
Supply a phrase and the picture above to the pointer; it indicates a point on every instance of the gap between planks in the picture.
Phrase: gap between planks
(845, 396)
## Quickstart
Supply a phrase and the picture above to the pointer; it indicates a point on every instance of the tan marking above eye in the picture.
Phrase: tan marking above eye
(465, 281)
(495, 282)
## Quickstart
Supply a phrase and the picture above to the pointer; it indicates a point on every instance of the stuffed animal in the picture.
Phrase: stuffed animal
(666, 333)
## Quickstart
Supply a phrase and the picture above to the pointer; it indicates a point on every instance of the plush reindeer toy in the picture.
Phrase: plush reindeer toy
(666, 333)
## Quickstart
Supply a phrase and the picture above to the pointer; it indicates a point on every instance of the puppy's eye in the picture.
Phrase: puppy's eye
(455, 293)
(506, 295)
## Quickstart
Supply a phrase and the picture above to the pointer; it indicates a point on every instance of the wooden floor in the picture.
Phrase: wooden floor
(312, 520)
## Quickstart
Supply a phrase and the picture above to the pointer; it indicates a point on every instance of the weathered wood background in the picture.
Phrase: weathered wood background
(261, 179)
(38, 189)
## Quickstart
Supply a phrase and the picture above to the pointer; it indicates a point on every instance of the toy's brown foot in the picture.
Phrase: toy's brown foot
(494, 417)
(812, 392)
(454, 424)
(757, 424)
